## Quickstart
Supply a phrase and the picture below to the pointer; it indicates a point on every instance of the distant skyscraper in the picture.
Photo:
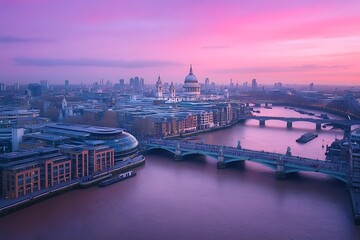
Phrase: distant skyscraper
(311, 87)
(137, 84)
(2, 87)
(231, 84)
(142, 83)
(35, 89)
(67, 84)
(44, 84)
(278, 85)
(254, 84)
(122, 83)
(207, 83)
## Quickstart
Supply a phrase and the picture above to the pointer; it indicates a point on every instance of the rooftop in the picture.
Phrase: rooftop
(47, 137)
(13, 156)
(83, 129)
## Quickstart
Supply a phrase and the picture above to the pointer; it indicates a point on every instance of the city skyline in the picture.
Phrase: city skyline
(273, 41)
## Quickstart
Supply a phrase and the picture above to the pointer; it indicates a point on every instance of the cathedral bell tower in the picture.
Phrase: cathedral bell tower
(159, 90)
(172, 90)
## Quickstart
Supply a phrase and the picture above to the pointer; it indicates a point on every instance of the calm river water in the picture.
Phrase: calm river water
(191, 199)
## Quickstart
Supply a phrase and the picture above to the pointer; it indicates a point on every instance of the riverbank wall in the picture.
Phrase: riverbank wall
(8, 206)
(36, 198)
(327, 110)
(184, 135)
(355, 200)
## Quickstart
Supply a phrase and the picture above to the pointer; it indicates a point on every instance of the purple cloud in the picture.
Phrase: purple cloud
(90, 62)
(301, 68)
(215, 47)
(12, 39)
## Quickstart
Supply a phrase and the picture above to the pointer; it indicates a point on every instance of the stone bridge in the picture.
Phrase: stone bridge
(280, 163)
(318, 122)
(223, 155)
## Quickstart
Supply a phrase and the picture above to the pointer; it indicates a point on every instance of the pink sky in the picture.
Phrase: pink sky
(297, 41)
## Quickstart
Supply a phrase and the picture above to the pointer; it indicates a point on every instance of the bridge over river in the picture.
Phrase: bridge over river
(318, 121)
(282, 164)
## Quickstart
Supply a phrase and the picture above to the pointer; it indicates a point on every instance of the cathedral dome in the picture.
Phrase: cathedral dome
(191, 85)
(191, 78)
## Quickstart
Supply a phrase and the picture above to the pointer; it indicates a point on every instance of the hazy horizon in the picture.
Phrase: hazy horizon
(296, 42)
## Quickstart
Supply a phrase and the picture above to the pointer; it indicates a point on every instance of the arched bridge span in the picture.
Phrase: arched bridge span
(223, 155)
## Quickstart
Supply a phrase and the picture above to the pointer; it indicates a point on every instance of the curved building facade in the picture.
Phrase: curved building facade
(191, 87)
(124, 144)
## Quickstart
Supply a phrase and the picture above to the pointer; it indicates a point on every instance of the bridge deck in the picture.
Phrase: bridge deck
(314, 120)
(291, 163)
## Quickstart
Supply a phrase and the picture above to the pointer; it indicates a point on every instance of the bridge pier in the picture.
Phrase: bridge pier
(289, 124)
(238, 145)
(221, 163)
(177, 155)
(261, 122)
(318, 126)
(143, 148)
(288, 151)
(280, 173)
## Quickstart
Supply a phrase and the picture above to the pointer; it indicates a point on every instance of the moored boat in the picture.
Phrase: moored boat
(120, 177)
(306, 137)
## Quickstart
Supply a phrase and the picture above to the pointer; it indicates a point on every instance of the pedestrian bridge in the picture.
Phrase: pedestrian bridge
(223, 155)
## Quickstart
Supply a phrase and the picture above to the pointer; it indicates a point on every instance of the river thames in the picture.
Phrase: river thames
(191, 199)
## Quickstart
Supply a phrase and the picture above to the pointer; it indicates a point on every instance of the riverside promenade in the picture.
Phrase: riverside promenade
(10, 205)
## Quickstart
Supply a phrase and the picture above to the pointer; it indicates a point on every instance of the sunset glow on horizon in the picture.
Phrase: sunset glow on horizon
(298, 41)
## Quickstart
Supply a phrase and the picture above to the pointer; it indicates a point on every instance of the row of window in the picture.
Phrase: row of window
(28, 179)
